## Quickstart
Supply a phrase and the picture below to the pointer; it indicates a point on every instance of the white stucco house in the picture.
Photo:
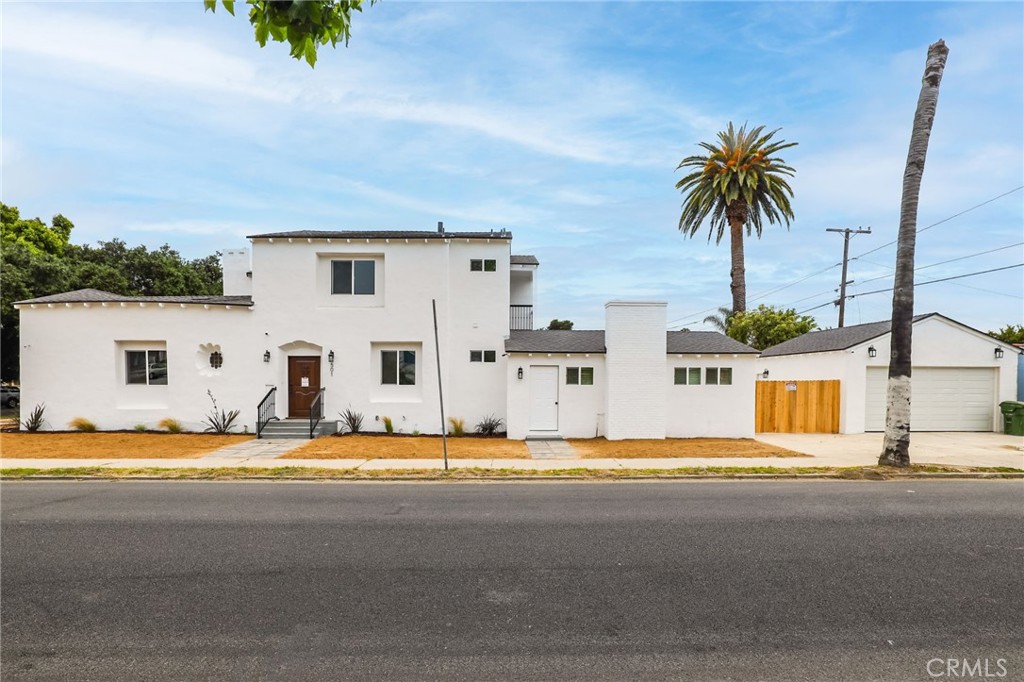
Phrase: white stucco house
(959, 374)
(324, 321)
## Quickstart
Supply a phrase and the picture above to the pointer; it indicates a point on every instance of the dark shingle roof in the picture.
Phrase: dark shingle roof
(705, 342)
(840, 338)
(98, 296)
(524, 260)
(555, 341)
(381, 234)
(586, 341)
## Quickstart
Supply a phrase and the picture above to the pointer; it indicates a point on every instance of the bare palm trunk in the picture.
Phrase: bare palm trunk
(738, 274)
(896, 447)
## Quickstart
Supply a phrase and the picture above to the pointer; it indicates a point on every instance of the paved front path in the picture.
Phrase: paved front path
(261, 448)
(551, 449)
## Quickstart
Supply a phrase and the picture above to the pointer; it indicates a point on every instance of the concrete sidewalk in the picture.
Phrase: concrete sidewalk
(823, 450)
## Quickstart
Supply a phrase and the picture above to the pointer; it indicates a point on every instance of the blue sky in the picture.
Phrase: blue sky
(563, 122)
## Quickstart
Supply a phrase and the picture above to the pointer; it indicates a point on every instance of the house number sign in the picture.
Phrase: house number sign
(790, 385)
(305, 382)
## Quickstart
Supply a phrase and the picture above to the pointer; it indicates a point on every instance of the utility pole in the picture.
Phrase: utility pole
(846, 257)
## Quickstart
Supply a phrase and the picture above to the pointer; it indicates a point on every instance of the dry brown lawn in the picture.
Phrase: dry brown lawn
(408, 447)
(112, 445)
(678, 447)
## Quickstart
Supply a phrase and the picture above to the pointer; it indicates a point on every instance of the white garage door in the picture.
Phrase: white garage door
(942, 399)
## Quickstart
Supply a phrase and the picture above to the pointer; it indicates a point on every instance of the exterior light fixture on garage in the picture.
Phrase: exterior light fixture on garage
(999, 353)
(872, 352)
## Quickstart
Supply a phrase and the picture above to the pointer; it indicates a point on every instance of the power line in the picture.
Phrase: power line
(836, 265)
(919, 284)
(951, 260)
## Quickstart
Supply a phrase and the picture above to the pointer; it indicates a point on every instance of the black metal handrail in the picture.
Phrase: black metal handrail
(520, 317)
(266, 410)
(316, 411)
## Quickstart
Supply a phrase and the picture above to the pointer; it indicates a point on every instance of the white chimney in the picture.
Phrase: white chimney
(237, 267)
(636, 345)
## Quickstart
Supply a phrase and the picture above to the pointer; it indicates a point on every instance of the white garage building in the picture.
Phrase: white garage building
(959, 375)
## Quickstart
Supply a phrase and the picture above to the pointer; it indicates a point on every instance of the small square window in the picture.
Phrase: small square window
(679, 377)
(711, 376)
(476, 265)
(476, 356)
(490, 356)
(693, 376)
(725, 376)
(398, 367)
(146, 367)
(353, 277)
(572, 375)
(586, 376)
(490, 265)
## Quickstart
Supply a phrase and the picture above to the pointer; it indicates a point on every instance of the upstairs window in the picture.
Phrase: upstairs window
(482, 356)
(398, 367)
(483, 265)
(146, 367)
(579, 376)
(353, 277)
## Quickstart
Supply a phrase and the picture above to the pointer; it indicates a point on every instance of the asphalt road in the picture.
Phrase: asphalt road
(554, 581)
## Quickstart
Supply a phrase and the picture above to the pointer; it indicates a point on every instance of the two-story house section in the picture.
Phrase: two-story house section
(342, 318)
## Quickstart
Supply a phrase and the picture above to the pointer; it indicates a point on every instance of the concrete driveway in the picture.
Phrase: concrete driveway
(966, 449)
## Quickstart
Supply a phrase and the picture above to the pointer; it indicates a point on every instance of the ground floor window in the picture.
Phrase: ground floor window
(482, 356)
(146, 367)
(398, 367)
(712, 376)
(579, 376)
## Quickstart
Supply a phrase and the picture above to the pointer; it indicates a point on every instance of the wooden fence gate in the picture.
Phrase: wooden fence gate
(797, 406)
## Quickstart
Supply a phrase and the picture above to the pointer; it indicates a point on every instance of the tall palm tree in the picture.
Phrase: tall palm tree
(896, 445)
(739, 183)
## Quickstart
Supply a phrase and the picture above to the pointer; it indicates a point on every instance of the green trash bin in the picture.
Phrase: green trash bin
(1013, 417)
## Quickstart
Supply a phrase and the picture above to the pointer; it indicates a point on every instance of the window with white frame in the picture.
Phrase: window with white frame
(483, 265)
(398, 367)
(712, 376)
(483, 356)
(579, 376)
(145, 367)
(357, 277)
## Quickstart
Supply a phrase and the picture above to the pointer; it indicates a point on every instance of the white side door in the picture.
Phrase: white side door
(543, 398)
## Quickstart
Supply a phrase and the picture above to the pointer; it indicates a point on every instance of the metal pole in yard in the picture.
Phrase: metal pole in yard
(440, 393)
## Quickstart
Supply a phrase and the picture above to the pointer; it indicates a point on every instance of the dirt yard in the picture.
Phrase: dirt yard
(407, 447)
(112, 445)
(678, 447)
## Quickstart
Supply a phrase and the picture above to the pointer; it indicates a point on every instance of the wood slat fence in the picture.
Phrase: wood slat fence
(797, 406)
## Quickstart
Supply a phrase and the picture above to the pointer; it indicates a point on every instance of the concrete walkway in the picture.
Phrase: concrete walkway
(824, 450)
(551, 449)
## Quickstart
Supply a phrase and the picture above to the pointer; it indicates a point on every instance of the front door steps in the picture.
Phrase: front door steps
(292, 428)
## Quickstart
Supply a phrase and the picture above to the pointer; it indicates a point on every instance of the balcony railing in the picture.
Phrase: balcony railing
(520, 317)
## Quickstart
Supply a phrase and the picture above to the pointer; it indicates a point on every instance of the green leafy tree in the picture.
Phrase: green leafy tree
(33, 233)
(305, 24)
(560, 324)
(1011, 333)
(739, 183)
(768, 326)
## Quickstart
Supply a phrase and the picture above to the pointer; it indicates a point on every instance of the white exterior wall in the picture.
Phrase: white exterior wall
(236, 265)
(73, 361)
(294, 314)
(580, 408)
(936, 343)
(711, 411)
(635, 341)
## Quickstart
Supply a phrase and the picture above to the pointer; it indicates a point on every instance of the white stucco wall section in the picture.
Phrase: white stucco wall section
(635, 341)
(580, 408)
(711, 411)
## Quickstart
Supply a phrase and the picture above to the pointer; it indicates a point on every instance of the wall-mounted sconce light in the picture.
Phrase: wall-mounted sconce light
(330, 357)
(872, 352)
(999, 353)
(266, 356)
(520, 373)
(764, 374)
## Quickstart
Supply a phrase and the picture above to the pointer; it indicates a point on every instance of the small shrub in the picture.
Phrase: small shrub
(351, 420)
(489, 425)
(389, 426)
(82, 424)
(35, 420)
(172, 425)
(141, 428)
(456, 426)
(219, 421)
(415, 432)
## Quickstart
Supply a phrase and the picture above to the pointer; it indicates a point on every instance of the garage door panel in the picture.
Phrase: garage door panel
(942, 399)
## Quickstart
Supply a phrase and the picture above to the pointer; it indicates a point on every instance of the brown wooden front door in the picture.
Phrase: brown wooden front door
(303, 384)
(797, 406)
